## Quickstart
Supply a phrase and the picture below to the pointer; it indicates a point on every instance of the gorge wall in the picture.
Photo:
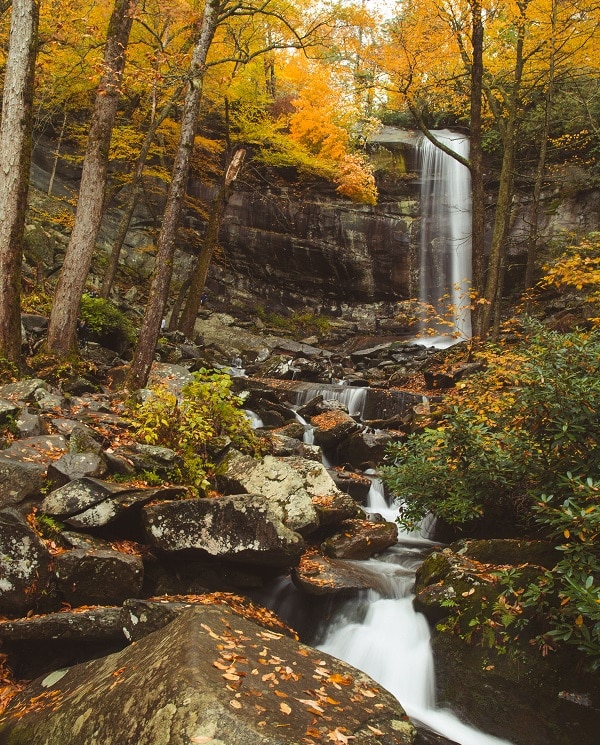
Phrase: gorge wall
(290, 242)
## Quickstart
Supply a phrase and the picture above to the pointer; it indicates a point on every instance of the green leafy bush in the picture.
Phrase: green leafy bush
(569, 595)
(517, 451)
(197, 425)
(507, 437)
(102, 317)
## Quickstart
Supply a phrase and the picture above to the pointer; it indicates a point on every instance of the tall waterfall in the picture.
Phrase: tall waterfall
(445, 246)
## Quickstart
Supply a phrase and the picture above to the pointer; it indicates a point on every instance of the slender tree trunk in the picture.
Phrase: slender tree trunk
(541, 165)
(136, 192)
(505, 189)
(190, 311)
(161, 279)
(476, 162)
(61, 134)
(63, 319)
(15, 160)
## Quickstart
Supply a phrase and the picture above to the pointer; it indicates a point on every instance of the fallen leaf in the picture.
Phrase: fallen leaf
(285, 708)
(235, 703)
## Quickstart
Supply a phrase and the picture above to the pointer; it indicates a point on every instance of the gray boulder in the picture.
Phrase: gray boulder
(76, 496)
(73, 466)
(24, 390)
(244, 527)
(93, 576)
(19, 480)
(211, 676)
(25, 566)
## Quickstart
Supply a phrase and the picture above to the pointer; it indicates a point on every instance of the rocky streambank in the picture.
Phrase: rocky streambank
(123, 595)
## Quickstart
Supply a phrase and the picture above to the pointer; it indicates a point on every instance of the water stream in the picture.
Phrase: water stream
(381, 634)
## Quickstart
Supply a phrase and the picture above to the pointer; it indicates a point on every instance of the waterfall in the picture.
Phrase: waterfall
(445, 245)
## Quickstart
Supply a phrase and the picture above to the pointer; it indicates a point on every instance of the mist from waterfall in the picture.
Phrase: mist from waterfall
(445, 244)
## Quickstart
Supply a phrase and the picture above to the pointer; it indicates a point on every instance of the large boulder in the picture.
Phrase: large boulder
(19, 479)
(301, 489)
(332, 427)
(209, 677)
(25, 566)
(90, 503)
(360, 539)
(321, 575)
(94, 576)
(243, 527)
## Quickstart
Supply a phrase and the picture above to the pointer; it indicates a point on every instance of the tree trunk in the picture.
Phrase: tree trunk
(63, 319)
(163, 270)
(190, 311)
(505, 189)
(476, 160)
(532, 240)
(136, 190)
(15, 160)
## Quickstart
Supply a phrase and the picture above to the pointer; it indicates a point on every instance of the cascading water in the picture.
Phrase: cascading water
(382, 635)
(445, 245)
(353, 397)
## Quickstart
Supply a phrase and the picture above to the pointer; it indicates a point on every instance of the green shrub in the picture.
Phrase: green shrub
(508, 437)
(569, 595)
(518, 447)
(102, 317)
(197, 424)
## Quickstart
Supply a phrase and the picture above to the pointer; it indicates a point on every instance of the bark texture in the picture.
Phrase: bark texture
(161, 279)
(15, 159)
(78, 257)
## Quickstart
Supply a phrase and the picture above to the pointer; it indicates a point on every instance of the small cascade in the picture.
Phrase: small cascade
(381, 634)
(255, 421)
(353, 397)
(445, 245)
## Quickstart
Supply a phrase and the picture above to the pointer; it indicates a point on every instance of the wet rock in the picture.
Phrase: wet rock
(178, 685)
(364, 450)
(360, 539)
(523, 697)
(245, 528)
(336, 507)
(354, 484)
(321, 575)
(94, 576)
(332, 427)
(25, 566)
(103, 622)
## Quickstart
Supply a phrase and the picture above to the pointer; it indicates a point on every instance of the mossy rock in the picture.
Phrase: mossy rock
(511, 551)
(520, 695)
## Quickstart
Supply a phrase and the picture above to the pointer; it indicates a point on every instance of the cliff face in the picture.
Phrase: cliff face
(300, 244)
(320, 246)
